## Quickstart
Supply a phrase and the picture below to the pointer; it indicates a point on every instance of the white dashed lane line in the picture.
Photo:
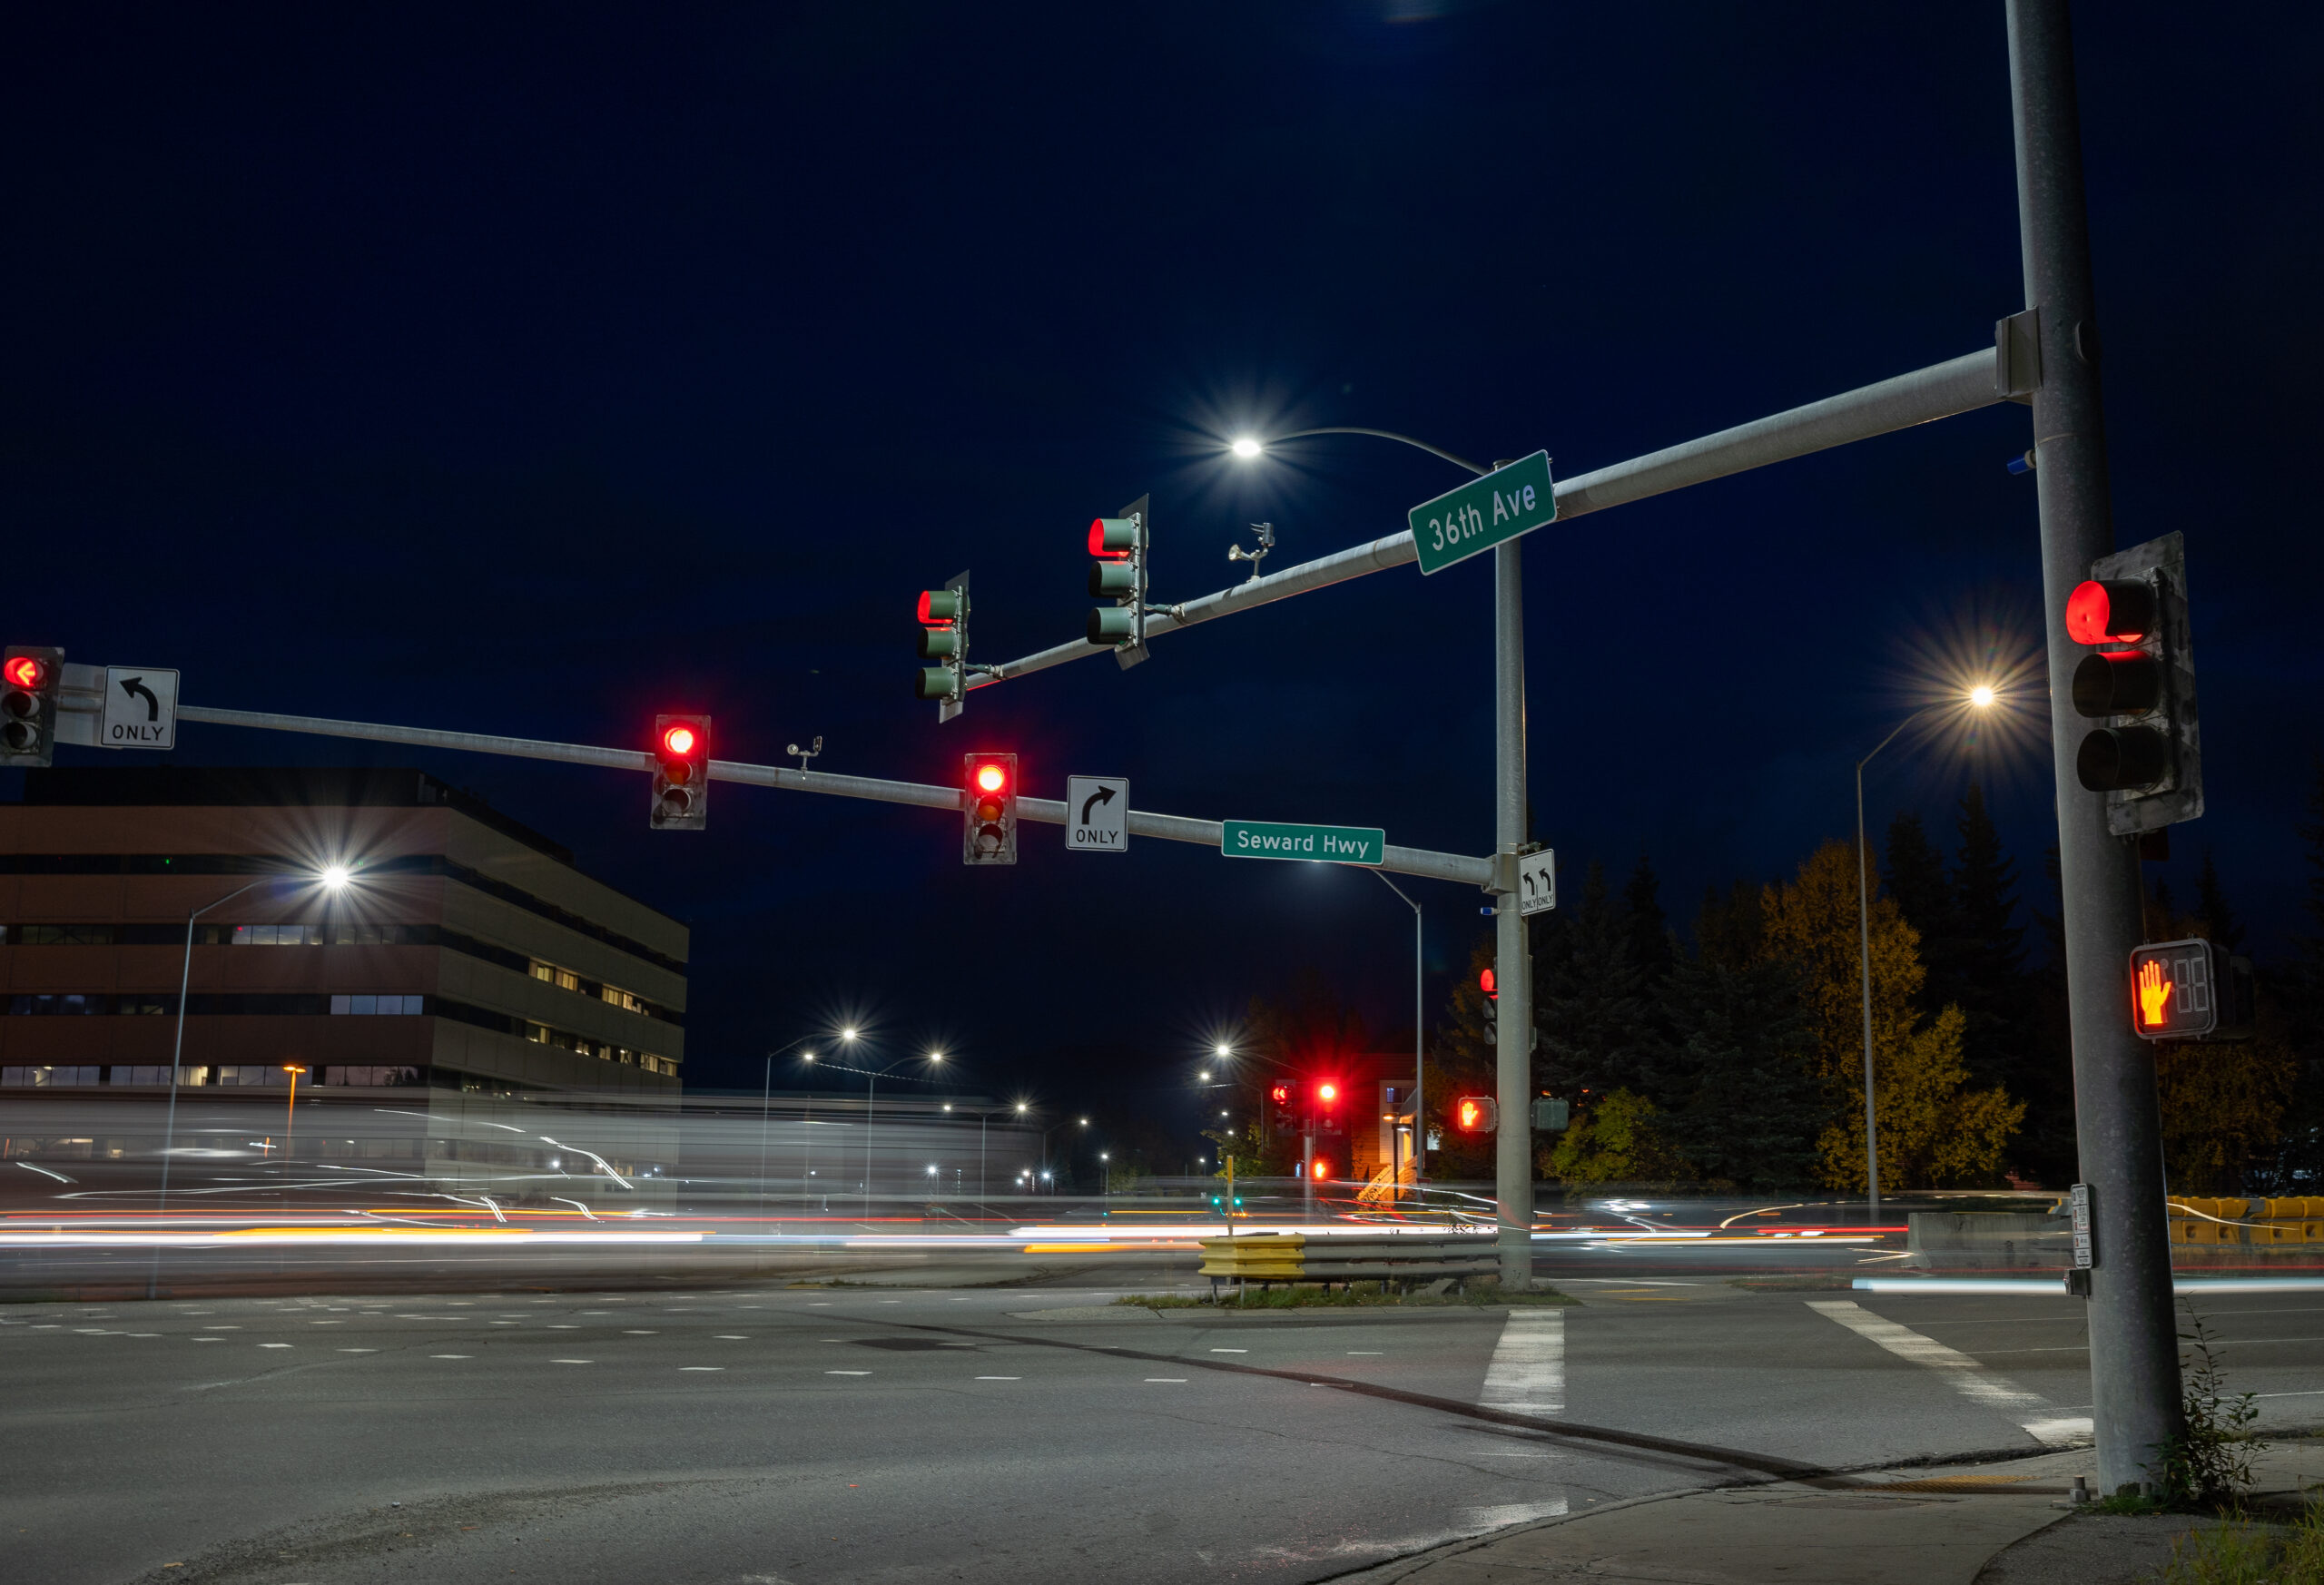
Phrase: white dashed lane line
(1174, 1381)
(451, 1357)
(274, 1345)
(1000, 1378)
(731, 1338)
(355, 1351)
(1230, 1351)
(573, 1361)
(702, 1367)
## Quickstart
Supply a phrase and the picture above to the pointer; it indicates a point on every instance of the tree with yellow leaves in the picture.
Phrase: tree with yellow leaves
(1935, 1130)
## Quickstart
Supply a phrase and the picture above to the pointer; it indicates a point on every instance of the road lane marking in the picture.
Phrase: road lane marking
(847, 1372)
(729, 1337)
(1230, 1351)
(355, 1351)
(639, 1332)
(702, 1367)
(274, 1345)
(999, 1378)
(573, 1361)
(1173, 1381)
(451, 1357)
(1972, 1380)
(1527, 1375)
(1354, 1352)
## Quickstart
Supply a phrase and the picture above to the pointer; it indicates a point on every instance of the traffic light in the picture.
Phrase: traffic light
(1476, 1114)
(1328, 1116)
(1320, 1170)
(1280, 1114)
(681, 774)
(1118, 572)
(2190, 990)
(1492, 1008)
(1551, 1114)
(944, 639)
(2139, 682)
(989, 809)
(29, 678)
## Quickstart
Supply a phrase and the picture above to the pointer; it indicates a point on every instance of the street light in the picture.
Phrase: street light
(333, 878)
(1979, 697)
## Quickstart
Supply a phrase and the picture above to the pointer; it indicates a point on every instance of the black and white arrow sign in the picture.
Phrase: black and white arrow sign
(1537, 882)
(1096, 815)
(141, 708)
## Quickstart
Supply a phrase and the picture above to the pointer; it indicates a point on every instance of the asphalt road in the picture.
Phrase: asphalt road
(758, 1434)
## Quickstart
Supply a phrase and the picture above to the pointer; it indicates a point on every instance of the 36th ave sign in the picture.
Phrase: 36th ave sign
(1329, 844)
(1502, 505)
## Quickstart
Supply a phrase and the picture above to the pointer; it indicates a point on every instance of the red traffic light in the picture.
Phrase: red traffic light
(1484, 983)
(1280, 1095)
(25, 671)
(1327, 1092)
(991, 778)
(1112, 539)
(2116, 611)
(679, 741)
(938, 607)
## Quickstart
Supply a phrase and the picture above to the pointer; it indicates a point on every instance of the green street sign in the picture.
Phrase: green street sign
(1328, 844)
(1482, 513)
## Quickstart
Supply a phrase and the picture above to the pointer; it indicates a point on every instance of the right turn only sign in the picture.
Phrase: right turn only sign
(1096, 815)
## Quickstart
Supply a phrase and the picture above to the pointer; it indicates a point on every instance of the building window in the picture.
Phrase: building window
(43, 1078)
(368, 1006)
(63, 935)
(374, 1077)
(73, 1004)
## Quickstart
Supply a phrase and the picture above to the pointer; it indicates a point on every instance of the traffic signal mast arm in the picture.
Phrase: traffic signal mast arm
(1175, 827)
(1942, 390)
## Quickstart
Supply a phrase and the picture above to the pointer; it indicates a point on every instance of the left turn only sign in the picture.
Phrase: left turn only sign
(141, 708)
(1096, 815)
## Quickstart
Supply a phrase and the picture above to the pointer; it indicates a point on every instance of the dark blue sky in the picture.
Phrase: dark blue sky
(527, 370)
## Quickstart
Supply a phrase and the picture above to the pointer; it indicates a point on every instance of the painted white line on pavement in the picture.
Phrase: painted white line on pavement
(847, 1372)
(1495, 1515)
(2036, 1414)
(355, 1351)
(1175, 1381)
(451, 1357)
(1000, 1378)
(702, 1367)
(1527, 1375)
(573, 1361)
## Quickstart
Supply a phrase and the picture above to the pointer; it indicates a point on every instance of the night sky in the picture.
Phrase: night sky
(530, 369)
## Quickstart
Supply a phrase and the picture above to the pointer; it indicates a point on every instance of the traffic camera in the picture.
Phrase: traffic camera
(989, 809)
(2139, 682)
(681, 774)
(30, 675)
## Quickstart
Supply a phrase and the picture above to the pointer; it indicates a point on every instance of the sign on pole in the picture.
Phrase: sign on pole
(1537, 882)
(1096, 815)
(141, 708)
(1482, 513)
(1330, 845)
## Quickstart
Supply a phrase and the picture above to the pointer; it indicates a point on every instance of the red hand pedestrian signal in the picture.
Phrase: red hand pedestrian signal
(2155, 995)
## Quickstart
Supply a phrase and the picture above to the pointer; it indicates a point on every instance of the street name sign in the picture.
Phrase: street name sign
(141, 708)
(1096, 815)
(1330, 845)
(1537, 882)
(1500, 506)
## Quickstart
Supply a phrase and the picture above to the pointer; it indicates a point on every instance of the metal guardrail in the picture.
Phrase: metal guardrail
(1294, 1258)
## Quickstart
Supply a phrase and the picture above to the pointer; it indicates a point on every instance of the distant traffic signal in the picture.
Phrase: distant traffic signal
(944, 639)
(1280, 1114)
(681, 774)
(2190, 990)
(1492, 1008)
(2140, 683)
(1118, 572)
(989, 809)
(29, 678)
(1476, 1114)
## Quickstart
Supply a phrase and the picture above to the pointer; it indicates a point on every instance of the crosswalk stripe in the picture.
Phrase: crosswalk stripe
(1972, 1380)
(1527, 1375)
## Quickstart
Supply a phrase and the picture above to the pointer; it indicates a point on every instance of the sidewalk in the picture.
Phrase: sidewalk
(1979, 1524)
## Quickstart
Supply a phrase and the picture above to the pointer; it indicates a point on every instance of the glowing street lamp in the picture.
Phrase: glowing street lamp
(1978, 696)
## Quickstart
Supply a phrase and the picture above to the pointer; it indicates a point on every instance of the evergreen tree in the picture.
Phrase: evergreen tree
(1981, 967)
(1731, 931)
(1743, 1104)
(1644, 924)
(2218, 920)
(1916, 878)
(1590, 1002)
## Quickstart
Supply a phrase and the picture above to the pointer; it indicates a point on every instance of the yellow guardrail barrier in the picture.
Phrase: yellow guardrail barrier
(2275, 1223)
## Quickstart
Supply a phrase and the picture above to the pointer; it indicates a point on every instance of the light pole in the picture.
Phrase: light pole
(871, 1106)
(1419, 1072)
(1512, 964)
(333, 878)
(766, 1097)
(1980, 697)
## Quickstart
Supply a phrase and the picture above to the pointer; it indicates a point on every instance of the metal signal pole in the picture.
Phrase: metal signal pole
(2134, 1345)
(1512, 966)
